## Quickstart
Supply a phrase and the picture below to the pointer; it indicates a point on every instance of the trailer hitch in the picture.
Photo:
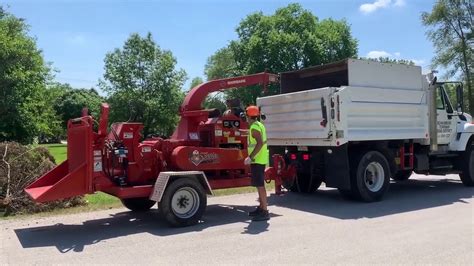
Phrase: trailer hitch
(284, 175)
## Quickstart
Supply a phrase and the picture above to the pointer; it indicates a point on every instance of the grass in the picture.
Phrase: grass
(102, 201)
(58, 151)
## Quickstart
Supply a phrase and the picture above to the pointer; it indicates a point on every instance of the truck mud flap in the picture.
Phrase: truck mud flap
(336, 161)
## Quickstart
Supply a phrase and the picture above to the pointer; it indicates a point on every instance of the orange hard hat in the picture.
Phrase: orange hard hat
(253, 111)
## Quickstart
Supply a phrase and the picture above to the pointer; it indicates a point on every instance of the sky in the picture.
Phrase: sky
(76, 35)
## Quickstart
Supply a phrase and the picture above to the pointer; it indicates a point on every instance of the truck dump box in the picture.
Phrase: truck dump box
(351, 100)
(73, 177)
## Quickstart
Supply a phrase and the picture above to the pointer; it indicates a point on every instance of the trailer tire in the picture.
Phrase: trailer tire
(467, 175)
(183, 203)
(402, 175)
(138, 204)
(370, 177)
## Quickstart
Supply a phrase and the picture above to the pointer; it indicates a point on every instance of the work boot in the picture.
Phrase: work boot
(255, 212)
(261, 216)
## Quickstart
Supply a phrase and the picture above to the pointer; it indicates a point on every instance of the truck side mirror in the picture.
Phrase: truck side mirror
(459, 98)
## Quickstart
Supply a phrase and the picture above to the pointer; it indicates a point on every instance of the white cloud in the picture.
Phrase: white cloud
(77, 39)
(399, 3)
(397, 54)
(368, 8)
(377, 54)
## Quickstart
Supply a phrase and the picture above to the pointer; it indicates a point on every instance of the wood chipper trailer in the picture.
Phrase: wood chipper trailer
(206, 152)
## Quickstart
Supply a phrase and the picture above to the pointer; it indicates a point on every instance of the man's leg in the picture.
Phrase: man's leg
(262, 197)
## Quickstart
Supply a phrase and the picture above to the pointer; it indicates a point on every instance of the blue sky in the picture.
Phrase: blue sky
(75, 35)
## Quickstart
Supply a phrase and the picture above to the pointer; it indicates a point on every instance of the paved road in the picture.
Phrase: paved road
(424, 220)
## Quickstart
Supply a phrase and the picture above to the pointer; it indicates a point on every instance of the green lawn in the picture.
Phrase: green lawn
(100, 201)
(58, 151)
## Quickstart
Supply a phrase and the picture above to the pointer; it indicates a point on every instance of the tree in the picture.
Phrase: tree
(221, 65)
(390, 60)
(143, 85)
(451, 29)
(24, 109)
(68, 102)
(290, 39)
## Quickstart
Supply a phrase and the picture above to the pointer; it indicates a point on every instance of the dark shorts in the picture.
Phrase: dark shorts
(257, 174)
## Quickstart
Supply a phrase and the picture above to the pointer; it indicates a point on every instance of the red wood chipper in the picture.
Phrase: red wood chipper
(206, 152)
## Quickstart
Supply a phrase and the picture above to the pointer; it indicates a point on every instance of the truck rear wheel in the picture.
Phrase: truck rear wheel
(183, 203)
(370, 177)
(138, 204)
(467, 175)
(402, 175)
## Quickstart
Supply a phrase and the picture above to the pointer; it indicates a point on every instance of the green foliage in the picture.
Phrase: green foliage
(25, 112)
(68, 102)
(221, 65)
(390, 60)
(450, 28)
(196, 81)
(292, 38)
(144, 85)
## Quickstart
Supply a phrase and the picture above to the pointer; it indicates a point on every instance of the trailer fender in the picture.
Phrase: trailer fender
(165, 178)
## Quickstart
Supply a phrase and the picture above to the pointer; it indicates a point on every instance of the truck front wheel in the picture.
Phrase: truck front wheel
(183, 202)
(467, 175)
(370, 177)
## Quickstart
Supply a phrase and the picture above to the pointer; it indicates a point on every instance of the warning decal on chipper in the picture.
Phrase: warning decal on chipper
(198, 158)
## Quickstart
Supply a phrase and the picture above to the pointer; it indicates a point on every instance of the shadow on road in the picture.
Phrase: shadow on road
(406, 196)
(74, 237)
(411, 195)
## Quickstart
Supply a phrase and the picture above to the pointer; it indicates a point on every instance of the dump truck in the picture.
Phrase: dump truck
(356, 124)
(352, 124)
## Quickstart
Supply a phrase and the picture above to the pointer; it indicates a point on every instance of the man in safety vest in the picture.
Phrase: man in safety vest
(258, 159)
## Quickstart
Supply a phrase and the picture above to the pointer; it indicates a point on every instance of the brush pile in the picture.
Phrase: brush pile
(20, 166)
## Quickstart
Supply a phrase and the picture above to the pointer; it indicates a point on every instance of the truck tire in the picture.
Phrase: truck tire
(138, 204)
(402, 175)
(183, 203)
(467, 175)
(370, 177)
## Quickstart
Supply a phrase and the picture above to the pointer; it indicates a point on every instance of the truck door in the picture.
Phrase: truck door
(446, 118)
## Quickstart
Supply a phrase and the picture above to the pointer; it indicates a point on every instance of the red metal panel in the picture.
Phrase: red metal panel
(74, 176)
(204, 158)
(129, 192)
(230, 183)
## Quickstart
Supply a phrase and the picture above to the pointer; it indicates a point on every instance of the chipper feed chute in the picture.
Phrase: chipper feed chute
(73, 177)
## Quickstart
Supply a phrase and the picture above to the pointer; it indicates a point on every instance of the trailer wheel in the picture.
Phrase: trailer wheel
(467, 175)
(370, 178)
(183, 203)
(138, 204)
(402, 175)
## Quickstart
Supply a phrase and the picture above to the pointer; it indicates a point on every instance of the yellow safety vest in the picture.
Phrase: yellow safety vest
(262, 156)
